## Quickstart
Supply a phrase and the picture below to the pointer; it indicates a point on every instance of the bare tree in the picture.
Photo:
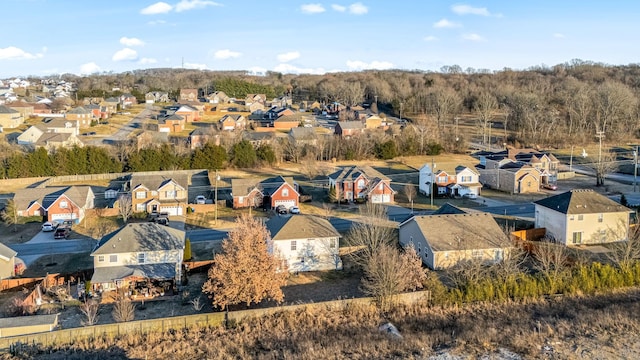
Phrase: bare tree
(370, 233)
(125, 207)
(484, 107)
(603, 165)
(550, 261)
(123, 309)
(410, 193)
(388, 273)
(327, 210)
(310, 167)
(90, 309)
(626, 253)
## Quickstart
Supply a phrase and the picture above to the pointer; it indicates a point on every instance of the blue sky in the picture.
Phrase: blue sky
(43, 37)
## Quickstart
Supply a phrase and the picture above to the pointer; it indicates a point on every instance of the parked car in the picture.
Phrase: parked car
(201, 199)
(470, 196)
(48, 227)
(62, 233)
(294, 210)
(281, 209)
(162, 221)
(550, 186)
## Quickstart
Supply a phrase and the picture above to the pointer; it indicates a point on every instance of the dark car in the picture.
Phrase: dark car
(62, 233)
(281, 209)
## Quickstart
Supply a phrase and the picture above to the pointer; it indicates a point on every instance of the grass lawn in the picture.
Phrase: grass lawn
(60, 263)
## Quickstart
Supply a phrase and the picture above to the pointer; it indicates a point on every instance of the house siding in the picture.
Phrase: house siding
(278, 195)
(151, 257)
(310, 254)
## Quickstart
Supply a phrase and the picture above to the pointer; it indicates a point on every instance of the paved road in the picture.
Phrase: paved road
(54, 247)
(526, 210)
(127, 128)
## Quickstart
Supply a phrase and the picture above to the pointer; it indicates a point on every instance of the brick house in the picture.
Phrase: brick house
(366, 183)
(232, 122)
(171, 124)
(188, 112)
(349, 128)
(55, 203)
(268, 193)
(80, 114)
(188, 95)
(157, 193)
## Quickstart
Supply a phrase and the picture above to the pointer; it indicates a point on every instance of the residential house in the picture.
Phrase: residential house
(545, 162)
(579, 217)
(7, 262)
(10, 118)
(268, 193)
(156, 96)
(171, 124)
(259, 138)
(138, 252)
(25, 109)
(364, 183)
(305, 242)
(287, 122)
(200, 136)
(452, 181)
(147, 139)
(348, 129)
(127, 100)
(218, 97)
(232, 122)
(111, 104)
(55, 204)
(40, 109)
(255, 98)
(188, 112)
(255, 106)
(282, 101)
(80, 114)
(52, 141)
(301, 136)
(188, 95)
(96, 111)
(444, 241)
(510, 176)
(308, 105)
(158, 193)
(372, 121)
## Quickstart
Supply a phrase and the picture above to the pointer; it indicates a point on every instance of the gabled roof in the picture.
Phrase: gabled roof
(242, 187)
(6, 253)
(154, 182)
(79, 110)
(461, 231)
(271, 185)
(351, 125)
(300, 227)
(302, 133)
(163, 120)
(448, 209)
(351, 173)
(24, 198)
(48, 138)
(140, 237)
(185, 107)
(461, 168)
(7, 110)
(581, 201)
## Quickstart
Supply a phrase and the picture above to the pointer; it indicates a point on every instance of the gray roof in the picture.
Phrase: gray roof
(352, 172)
(448, 209)
(461, 231)
(351, 125)
(242, 187)
(163, 271)
(302, 133)
(79, 110)
(154, 182)
(581, 201)
(300, 227)
(23, 198)
(6, 252)
(140, 237)
(7, 110)
(22, 321)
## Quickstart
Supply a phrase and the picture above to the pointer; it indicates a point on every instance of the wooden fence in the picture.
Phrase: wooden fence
(67, 336)
(6, 284)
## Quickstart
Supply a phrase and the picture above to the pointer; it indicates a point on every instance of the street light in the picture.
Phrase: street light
(215, 197)
(635, 168)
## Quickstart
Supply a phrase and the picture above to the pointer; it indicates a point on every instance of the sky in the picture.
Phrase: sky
(48, 37)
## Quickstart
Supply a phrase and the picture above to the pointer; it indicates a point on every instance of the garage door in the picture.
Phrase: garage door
(386, 198)
(286, 203)
(171, 210)
(376, 199)
(64, 216)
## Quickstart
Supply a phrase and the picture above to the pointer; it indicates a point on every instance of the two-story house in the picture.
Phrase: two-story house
(138, 252)
(159, 194)
(232, 122)
(305, 242)
(545, 162)
(55, 204)
(268, 193)
(579, 217)
(188, 112)
(364, 182)
(10, 118)
(348, 129)
(173, 123)
(510, 176)
(188, 95)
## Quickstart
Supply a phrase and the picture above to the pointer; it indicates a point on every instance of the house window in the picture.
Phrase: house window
(294, 245)
(171, 194)
(64, 204)
(332, 243)
(477, 254)
(141, 194)
(285, 192)
(101, 258)
(600, 217)
(577, 237)
(442, 179)
(580, 217)
(361, 184)
(141, 258)
(466, 179)
(241, 199)
(113, 258)
(381, 186)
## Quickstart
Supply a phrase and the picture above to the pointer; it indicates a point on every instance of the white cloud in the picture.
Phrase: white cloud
(286, 57)
(473, 37)
(195, 66)
(125, 54)
(126, 41)
(89, 68)
(15, 53)
(147, 61)
(358, 9)
(157, 8)
(444, 23)
(558, 36)
(430, 38)
(226, 54)
(470, 10)
(185, 5)
(361, 65)
(338, 8)
(291, 69)
(312, 8)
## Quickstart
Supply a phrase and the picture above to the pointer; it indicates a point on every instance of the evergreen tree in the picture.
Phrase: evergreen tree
(266, 154)
(244, 155)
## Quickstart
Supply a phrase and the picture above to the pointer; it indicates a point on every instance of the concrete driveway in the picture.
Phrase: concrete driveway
(43, 244)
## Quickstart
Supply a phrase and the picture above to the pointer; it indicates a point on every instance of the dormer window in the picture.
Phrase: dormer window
(64, 204)
(285, 192)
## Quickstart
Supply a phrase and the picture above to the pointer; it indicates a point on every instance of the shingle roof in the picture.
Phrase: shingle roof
(79, 110)
(6, 252)
(162, 271)
(242, 187)
(140, 237)
(448, 209)
(461, 231)
(154, 182)
(7, 110)
(351, 125)
(351, 173)
(581, 201)
(300, 227)
(23, 198)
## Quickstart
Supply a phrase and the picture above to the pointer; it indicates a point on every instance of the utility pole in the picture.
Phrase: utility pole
(599, 172)
(498, 176)
(456, 119)
(215, 199)
(401, 112)
(635, 168)
(571, 159)
(490, 126)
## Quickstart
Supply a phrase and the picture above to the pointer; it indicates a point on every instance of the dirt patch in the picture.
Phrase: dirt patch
(22, 233)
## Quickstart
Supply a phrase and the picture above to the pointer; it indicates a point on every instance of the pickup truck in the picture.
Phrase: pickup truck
(62, 233)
